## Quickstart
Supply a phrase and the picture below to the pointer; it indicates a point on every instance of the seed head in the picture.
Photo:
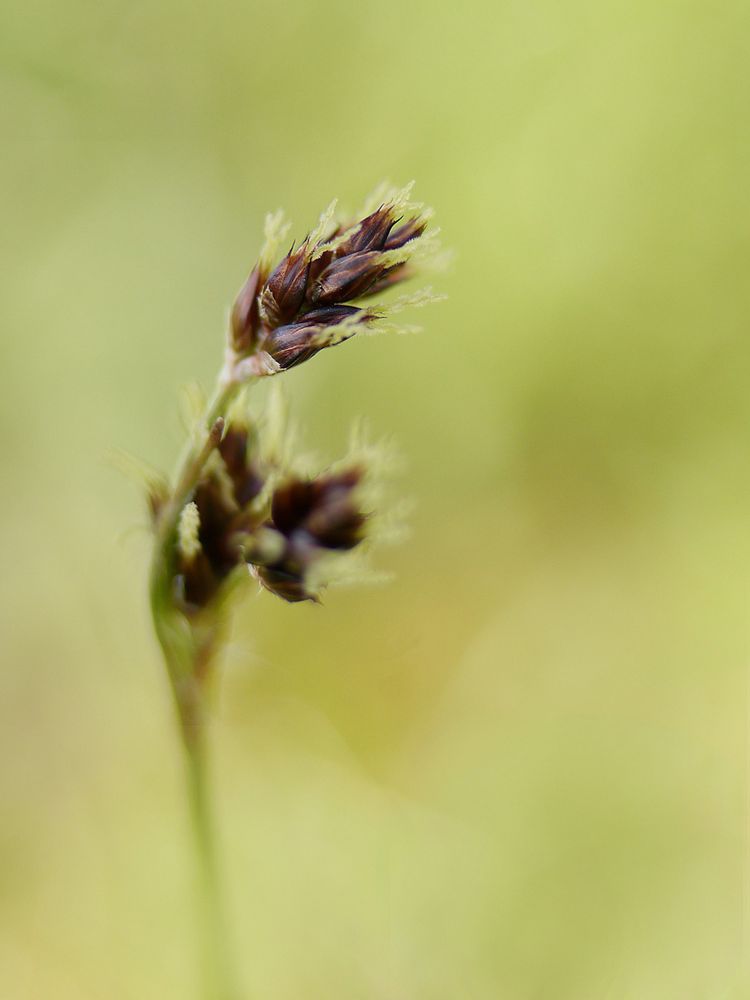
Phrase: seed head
(243, 516)
(286, 314)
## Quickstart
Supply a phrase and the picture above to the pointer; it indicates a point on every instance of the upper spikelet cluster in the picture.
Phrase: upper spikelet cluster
(320, 293)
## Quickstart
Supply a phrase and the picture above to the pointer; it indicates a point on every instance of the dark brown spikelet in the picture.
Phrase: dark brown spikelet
(223, 498)
(284, 292)
(245, 318)
(410, 230)
(312, 517)
(235, 448)
(296, 342)
(281, 317)
(371, 234)
(348, 277)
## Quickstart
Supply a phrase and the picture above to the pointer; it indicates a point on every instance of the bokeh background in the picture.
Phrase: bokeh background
(516, 772)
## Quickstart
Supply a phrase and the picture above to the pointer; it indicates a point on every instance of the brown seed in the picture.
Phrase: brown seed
(348, 278)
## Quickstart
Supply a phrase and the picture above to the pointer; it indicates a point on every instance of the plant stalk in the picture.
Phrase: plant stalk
(188, 649)
(218, 981)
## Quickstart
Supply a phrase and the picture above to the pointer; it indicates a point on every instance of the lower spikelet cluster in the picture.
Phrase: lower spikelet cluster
(250, 514)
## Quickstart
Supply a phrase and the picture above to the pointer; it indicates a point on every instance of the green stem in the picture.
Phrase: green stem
(191, 699)
(217, 977)
(188, 649)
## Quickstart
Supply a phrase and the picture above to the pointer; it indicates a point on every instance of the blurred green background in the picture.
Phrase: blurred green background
(517, 772)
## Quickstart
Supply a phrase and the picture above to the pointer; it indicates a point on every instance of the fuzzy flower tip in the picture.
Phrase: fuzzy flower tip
(284, 315)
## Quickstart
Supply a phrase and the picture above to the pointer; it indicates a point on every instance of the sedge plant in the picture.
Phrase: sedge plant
(239, 508)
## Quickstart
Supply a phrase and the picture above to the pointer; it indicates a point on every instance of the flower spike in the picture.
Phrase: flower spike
(279, 320)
